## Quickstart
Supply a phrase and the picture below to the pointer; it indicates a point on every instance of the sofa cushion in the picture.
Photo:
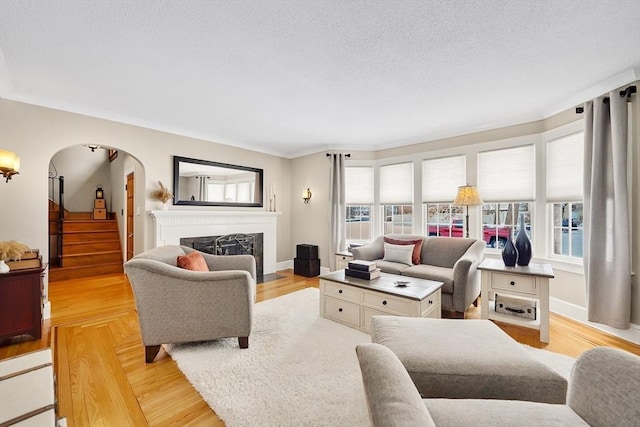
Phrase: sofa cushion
(489, 413)
(434, 353)
(431, 272)
(390, 267)
(417, 246)
(193, 261)
(398, 253)
(444, 251)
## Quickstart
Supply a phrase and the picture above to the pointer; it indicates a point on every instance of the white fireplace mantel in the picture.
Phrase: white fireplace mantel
(172, 225)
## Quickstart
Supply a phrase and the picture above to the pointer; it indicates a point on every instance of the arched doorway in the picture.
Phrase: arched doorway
(94, 213)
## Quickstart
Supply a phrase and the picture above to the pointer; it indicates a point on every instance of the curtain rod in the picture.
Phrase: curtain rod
(346, 155)
(623, 94)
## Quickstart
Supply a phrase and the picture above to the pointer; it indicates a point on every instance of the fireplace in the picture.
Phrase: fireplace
(169, 226)
(231, 244)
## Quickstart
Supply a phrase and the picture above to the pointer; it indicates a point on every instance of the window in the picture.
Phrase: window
(443, 219)
(359, 200)
(397, 219)
(500, 222)
(506, 182)
(567, 229)
(396, 198)
(564, 194)
(441, 178)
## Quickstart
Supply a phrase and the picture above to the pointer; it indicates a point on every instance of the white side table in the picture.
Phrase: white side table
(342, 259)
(530, 282)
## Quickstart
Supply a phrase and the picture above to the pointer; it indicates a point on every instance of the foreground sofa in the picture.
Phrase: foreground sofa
(176, 305)
(604, 390)
(453, 261)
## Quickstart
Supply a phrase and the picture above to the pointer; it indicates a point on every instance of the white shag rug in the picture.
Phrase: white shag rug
(300, 369)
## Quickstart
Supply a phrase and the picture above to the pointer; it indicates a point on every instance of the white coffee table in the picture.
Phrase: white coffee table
(352, 301)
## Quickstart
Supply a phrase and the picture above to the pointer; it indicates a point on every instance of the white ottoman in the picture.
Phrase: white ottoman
(467, 359)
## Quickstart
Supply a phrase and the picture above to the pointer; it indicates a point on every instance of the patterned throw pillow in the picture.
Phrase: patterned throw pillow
(417, 247)
(193, 261)
(398, 253)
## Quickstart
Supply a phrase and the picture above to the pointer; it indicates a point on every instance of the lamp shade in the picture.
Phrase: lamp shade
(467, 196)
(7, 159)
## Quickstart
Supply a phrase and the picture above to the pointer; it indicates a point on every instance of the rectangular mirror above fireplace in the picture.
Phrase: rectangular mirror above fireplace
(205, 183)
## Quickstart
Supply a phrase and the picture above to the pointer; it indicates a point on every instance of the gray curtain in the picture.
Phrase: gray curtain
(606, 212)
(338, 208)
(202, 188)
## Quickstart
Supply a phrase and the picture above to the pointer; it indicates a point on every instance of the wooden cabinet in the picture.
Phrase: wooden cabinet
(342, 259)
(21, 301)
(526, 283)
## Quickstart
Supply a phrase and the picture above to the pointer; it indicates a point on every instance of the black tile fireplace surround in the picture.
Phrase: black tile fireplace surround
(231, 244)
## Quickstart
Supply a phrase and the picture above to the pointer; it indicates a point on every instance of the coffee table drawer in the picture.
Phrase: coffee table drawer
(513, 282)
(342, 311)
(344, 292)
(387, 303)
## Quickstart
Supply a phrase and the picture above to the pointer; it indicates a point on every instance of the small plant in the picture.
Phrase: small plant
(12, 250)
(162, 194)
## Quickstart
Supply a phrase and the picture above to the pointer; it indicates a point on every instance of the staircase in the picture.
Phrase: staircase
(89, 247)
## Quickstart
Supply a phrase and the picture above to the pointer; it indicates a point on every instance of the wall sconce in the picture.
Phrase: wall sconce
(93, 147)
(306, 195)
(9, 164)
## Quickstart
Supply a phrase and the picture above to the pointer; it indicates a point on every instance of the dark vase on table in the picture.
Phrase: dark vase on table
(509, 254)
(523, 245)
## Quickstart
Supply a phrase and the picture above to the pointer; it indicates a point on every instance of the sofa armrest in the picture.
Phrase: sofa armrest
(604, 387)
(370, 252)
(392, 398)
(231, 262)
(466, 278)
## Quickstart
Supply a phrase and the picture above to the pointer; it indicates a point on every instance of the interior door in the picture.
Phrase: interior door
(130, 216)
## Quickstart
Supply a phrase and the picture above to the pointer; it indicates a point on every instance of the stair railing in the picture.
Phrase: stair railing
(60, 220)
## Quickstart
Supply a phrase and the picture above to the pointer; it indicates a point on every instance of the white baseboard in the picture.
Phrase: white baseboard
(289, 264)
(284, 265)
(46, 310)
(579, 314)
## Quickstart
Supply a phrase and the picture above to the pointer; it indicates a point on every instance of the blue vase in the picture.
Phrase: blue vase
(523, 245)
(509, 254)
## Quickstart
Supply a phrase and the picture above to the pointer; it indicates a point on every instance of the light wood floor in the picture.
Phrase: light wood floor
(102, 379)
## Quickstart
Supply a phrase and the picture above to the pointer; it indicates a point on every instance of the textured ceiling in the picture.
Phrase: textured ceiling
(301, 76)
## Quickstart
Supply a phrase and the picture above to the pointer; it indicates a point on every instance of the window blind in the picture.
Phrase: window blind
(396, 184)
(507, 175)
(359, 185)
(442, 177)
(564, 168)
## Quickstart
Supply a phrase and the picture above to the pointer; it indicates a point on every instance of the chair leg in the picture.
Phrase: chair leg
(150, 352)
(244, 342)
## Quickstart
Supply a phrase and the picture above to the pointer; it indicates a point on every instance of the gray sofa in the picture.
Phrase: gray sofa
(176, 305)
(453, 261)
(604, 390)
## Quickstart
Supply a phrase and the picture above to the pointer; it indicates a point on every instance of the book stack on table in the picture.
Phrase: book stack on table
(362, 269)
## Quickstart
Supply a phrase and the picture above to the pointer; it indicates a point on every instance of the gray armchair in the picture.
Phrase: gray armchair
(176, 305)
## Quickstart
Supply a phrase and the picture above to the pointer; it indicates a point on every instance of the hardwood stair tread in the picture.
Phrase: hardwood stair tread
(92, 253)
(87, 242)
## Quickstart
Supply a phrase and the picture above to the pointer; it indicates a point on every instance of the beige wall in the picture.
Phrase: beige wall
(83, 171)
(36, 134)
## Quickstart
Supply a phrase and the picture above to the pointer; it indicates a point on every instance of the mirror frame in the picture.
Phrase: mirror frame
(176, 183)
